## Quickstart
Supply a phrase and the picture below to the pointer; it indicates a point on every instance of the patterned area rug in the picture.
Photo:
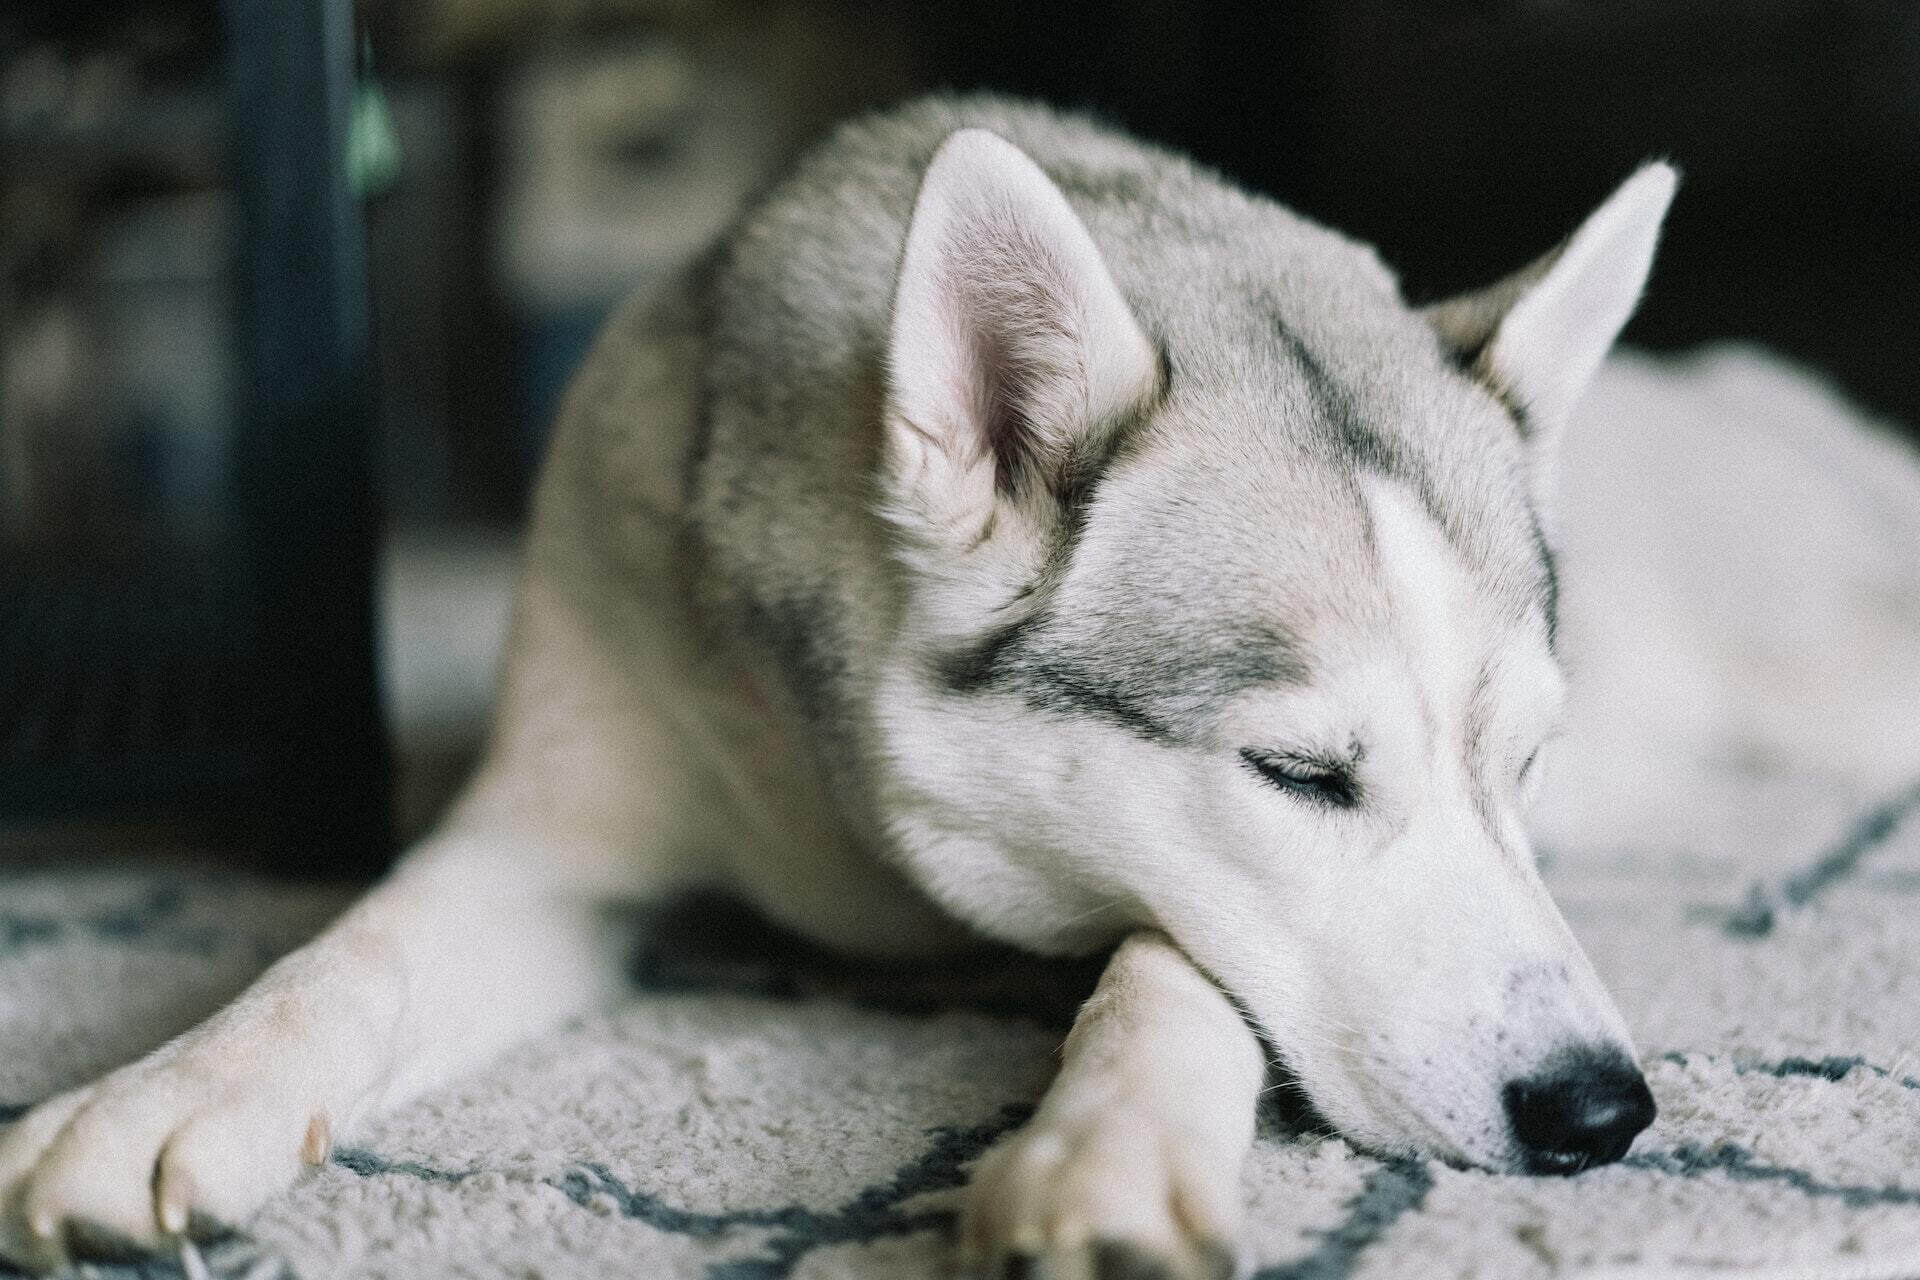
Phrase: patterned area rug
(755, 1110)
(1738, 847)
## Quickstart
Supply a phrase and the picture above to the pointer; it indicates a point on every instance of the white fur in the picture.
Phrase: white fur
(1550, 344)
(1543, 332)
(1764, 581)
(1376, 946)
(1286, 906)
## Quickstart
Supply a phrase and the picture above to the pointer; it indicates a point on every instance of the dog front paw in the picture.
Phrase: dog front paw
(184, 1139)
(1110, 1194)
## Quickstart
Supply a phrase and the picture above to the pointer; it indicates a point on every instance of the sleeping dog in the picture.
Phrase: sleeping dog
(1014, 532)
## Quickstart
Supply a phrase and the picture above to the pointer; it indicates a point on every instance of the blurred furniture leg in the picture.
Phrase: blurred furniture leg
(307, 514)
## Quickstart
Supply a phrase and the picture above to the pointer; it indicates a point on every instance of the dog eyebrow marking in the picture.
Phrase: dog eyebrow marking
(1063, 688)
(998, 663)
(1155, 687)
(983, 664)
(1364, 448)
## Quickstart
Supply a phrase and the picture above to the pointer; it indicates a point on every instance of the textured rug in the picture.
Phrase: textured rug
(755, 1110)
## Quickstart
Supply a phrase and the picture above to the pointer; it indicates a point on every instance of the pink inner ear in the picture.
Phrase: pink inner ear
(1011, 344)
(1020, 359)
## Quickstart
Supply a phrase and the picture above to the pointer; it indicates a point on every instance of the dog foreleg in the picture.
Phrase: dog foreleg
(1132, 1164)
(487, 933)
(457, 955)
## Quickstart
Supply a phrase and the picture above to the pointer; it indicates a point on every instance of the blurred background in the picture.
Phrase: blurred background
(288, 292)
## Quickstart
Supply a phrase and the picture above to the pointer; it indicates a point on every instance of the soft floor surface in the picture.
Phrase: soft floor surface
(1744, 870)
(754, 1111)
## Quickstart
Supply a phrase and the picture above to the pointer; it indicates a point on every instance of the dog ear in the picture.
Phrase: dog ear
(1538, 336)
(1012, 353)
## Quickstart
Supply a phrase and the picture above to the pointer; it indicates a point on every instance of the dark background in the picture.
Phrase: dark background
(1464, 137)
(283, 284)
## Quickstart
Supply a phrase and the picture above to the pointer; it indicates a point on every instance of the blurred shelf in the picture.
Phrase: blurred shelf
(181, 134)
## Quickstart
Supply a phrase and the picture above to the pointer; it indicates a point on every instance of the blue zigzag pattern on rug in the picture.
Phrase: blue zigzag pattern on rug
(1739, 1164)
(795, 1230)
(1398, 1187)
(147, 920)
(1395, 1188)
(1756, 917)
(1832, 1068)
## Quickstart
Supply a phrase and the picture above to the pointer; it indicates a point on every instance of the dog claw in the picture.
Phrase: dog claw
(166, 1148)
(173, 1201)
(318, 1144)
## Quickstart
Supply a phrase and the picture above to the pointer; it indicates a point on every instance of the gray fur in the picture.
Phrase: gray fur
(1293, 366)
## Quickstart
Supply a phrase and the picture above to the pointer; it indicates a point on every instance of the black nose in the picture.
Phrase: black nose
(1583, 1110)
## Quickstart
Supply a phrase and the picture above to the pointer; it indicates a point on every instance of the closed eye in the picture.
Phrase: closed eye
(1319, 781)
(1527, 768)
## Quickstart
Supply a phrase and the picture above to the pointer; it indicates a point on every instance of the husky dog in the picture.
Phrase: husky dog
(1018, 533)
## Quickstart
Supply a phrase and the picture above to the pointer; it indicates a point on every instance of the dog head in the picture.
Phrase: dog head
(1231, 613)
